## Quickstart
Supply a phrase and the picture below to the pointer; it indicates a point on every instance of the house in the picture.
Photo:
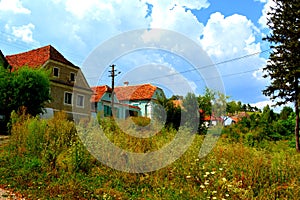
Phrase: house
(69, 89)
(3, 61)
(101, 104)
(143, 96)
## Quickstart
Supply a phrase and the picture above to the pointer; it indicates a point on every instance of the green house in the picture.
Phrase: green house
(143, 96)
(101, 104)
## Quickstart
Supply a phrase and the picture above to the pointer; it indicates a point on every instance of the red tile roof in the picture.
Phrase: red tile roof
(98, 92)
(37, 57)
(135, 92)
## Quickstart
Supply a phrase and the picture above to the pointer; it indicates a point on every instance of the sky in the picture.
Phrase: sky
(229, 34)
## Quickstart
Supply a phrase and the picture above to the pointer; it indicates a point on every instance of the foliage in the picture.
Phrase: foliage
(230, 171)
(23, 88)
(263, 126)
(283, 65)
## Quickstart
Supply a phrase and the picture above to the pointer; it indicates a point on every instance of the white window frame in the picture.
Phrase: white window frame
(83, 97)
(57, 71)
(65, 98)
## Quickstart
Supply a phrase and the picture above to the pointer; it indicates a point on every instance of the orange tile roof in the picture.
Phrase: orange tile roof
(37, 57)
(135, 92)
(98, 92)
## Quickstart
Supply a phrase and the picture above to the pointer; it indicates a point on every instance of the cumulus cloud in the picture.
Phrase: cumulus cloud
(13, 5)
(177, 16)
(24, 32)
(230, 36)
(267, 8)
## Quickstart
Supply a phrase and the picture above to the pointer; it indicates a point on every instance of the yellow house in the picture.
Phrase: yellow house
(69, 89)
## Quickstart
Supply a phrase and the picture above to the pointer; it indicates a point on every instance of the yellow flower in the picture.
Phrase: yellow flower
(207, 173)
(214, 192)
(214, 198)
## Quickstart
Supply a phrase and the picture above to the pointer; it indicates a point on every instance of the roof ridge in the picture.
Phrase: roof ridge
(37, 57)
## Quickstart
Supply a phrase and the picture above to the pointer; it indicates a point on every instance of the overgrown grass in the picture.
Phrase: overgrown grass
(46, 160)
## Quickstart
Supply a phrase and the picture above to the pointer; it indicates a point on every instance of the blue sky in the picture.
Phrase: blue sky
(225, 30)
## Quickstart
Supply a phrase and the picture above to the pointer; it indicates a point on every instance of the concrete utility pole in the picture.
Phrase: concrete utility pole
(113, 73)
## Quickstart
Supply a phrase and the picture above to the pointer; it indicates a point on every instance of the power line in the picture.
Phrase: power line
(212, 65)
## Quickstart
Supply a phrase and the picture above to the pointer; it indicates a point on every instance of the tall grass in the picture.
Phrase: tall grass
(45, 159)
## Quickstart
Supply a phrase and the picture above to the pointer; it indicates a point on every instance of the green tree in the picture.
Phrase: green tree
(283, 66)
(190, 112)
(285, 112)
(24, 87)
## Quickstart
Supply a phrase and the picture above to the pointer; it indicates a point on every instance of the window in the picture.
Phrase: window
(80, 101)
(68, 98)
(55, 71)
(72, 76)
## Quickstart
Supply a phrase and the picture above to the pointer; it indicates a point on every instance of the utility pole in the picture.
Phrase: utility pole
(113, 73)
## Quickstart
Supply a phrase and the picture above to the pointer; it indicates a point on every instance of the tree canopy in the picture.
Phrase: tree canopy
(25, 87)
(283, 67)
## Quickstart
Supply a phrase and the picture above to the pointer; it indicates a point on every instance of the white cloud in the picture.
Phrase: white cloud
(176, 17)
(276, 109)
(229, 37)
(267, 8)
(24, 32)
(13, 5)
(262, 1)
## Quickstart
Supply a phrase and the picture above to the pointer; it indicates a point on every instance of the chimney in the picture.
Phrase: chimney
(126, 83)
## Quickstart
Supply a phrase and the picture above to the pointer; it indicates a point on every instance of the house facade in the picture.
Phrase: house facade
(143, 96)
(101, 104)
(69, 89)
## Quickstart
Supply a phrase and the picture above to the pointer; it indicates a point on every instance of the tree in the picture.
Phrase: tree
(283, 67)
(24, 87)
(190, 112)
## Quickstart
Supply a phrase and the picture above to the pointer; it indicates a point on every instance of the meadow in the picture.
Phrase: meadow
(45, 159)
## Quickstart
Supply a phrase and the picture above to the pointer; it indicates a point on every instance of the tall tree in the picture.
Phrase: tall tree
(283, 67)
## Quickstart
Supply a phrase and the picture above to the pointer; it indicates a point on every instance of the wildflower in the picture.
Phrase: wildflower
(197, 160)
(202, 186)
(220, 169)
(205, 176)
(205, 191)
(213, 172)
(229, 185)
(227, 195)
(188, 177)
(224, 179)
(206, 182)
(214, 192)
(214, 198)
(207, 173)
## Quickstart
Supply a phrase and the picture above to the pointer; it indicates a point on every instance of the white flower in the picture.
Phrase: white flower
(202, 186)
(214, 192)
(213, 172)
(188, 177)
